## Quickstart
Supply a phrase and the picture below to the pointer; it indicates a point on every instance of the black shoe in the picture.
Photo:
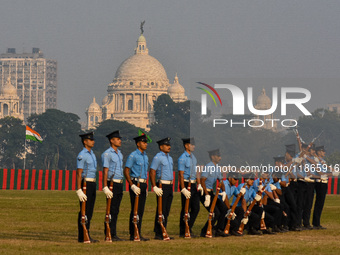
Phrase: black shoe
(144, 239)
(116, 239)
(234, 233)
(276, 229)
(253, 231)
(267, 232)
(193, 235)
(283, 229)
(221, 233)
(319, 227)
(308, 227)
(172, 238)
(295, 229)
(93, 240)
(158, 238)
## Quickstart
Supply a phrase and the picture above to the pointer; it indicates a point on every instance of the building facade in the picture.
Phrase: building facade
(137, 83)
(33, 76)
(10, 105)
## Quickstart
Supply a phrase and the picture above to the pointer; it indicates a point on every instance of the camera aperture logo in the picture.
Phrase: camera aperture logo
(239, 105)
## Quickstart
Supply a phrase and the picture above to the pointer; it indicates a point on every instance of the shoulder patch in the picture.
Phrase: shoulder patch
(80, 158)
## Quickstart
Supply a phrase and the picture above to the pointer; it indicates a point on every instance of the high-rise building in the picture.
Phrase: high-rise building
(34, 77)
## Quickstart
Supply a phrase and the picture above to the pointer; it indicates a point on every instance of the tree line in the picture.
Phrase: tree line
(61, 145)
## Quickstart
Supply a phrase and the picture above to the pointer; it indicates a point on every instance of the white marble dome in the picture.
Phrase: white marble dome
(263, 101)
(94, 106)
(141, 67)
(8, 89)
(176, 88)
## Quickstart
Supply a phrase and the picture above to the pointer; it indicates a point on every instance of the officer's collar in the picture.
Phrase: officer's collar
(139, 152)
(113, 150)
(187, 154)
(163, 153)
(89, 151)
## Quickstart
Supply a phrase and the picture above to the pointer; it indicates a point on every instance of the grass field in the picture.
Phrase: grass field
(44, 222)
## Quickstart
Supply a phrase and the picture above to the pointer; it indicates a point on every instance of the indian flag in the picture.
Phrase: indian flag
(32, 135)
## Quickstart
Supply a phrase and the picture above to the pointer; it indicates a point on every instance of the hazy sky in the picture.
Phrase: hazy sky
(264, 43)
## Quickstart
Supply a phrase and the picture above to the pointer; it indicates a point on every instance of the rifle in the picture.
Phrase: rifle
(211, 213)
(108, 216)
(84, 217)
(136, 217)
(302, 152)
(161, 217)
(240, 229)
(227, 227)
(186, 214)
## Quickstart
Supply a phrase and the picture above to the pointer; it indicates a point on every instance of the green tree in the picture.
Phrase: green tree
(60, 131)
(12, 140)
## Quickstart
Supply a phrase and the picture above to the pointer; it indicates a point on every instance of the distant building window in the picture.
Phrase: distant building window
(152, 83)
(96, 119)
(335, 109)
(91, 119)
(130, 105)
(131, 83)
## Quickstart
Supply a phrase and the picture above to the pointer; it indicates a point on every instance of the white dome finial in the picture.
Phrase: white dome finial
(176, 78)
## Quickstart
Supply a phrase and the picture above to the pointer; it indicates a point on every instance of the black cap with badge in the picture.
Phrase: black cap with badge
(215, 152)
(165, 141)
(87, 136)
(290, 149)
(189, 140)
(113, 134)
(140, 138)
(280, 159)
(320, 148)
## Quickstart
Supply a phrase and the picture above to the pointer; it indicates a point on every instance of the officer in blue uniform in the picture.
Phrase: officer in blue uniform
(112, 161)
(136, 171)
(162, 169)
(209, 176)
(187, 163)
(253, 225)
(86, 172)
(320, 188)
(289, 187)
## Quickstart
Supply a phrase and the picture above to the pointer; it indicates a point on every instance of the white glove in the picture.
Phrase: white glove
(233, 215)
(287, 184)
(224, 195)
(260, 187)
(158, 191)
(243, 190)
(257, 197)
(107, 192)
(186, 193)
(272, 187)
(244, 221)
(324, 176)
(277, 200)
(82, 197)
(207, 201)
(316, 159)
(199, 188)
(305, 156)
(263, 214)
(135, 189)
(297, 160)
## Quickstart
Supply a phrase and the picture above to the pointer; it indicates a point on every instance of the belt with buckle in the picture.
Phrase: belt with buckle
(116, 180)
(90, 179)
(165, 182)
(140, 180)
(192, 181)
(209, 190)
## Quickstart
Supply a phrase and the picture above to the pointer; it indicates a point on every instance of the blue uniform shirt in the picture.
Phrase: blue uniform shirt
(249, 196)
(187, 163)
(163, 164)
(212, 174)
(230, 190)
(138, 162)
(87, 161)
(113, 160)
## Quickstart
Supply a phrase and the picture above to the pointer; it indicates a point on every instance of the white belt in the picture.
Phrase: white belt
(209, 190)
(192, 181)
(322, 180)
(165, 182)
(90, 179)
(307, 179)
(302, 180)
(140, 180)
(116, 180)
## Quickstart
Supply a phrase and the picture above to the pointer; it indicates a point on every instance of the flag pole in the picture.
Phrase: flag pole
(25, 155)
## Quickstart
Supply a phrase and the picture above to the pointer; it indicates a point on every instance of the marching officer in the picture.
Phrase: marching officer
(162, 168)
(112, 160)
(208, 179)
(187, 174)
(320, 187)
(86, 172)
(136, 171)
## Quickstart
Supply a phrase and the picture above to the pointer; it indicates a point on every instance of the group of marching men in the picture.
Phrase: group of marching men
(275, 202)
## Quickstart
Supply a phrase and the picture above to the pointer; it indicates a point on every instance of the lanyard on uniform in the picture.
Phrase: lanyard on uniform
(94, 164)
(114, 172)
